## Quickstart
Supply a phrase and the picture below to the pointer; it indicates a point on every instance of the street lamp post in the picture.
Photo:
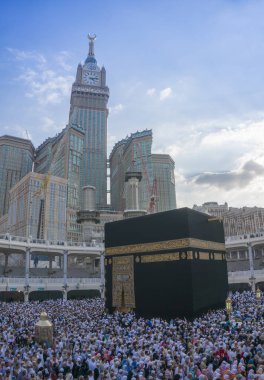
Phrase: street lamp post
(65, 289)
(102, 288)
(258, 295)
(26, 292)
(228, 306)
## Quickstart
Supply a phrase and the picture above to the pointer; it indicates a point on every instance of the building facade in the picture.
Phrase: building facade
(212, 208)
(4, 224)
(131, 154)
(77, 154)
(237, 221)
(88, 110)
(156, 188)
(61, 156)
(38, 207)
(16, 160)
(245, 220)
(164, 182)
(117, 176)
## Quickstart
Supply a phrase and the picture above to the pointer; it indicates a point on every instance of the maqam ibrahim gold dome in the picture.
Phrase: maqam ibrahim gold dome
(44, 322)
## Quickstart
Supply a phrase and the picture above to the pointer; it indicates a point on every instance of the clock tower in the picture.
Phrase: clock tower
(89, 112)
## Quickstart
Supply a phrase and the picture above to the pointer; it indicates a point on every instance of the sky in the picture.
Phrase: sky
(190, 70)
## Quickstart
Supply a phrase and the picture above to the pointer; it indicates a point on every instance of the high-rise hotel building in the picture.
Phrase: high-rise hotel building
(89, 112)
(37, 207)
(78, 153)
(61, 156)
(78, 157)
(16, 160)
(157, 186)
(131, 154)
(164, 182)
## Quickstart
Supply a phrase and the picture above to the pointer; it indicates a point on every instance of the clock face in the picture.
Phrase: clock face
(91, 78)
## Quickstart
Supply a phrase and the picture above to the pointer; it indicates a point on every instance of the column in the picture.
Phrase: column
(65, 273)
(6, 261)
(93, 265)
(28, 251)
(26, 287)
(50, 262)
(26, 296)
(102, 286)
(252, 278)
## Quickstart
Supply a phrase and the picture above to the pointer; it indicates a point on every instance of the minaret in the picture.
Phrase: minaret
(132, 179)
(88, 216)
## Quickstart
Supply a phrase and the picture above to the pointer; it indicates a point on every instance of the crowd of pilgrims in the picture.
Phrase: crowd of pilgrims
(91, 344)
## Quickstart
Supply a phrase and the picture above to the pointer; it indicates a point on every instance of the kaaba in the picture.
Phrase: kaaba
(169, 264)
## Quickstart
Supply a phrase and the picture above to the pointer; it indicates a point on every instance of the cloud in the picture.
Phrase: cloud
(62, 59)
(163, 94)
(116, 109)
(22, 55)
(46, 85)
(166, 93)
(209, 153)
(16, 130)
(233, 179)
(130, 88)
(211, 146)
(151, 91)
(49, 126)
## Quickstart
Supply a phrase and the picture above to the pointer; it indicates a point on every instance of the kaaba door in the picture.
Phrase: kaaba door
(123, 292)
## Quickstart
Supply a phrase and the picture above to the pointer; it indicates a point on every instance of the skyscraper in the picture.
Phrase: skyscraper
(156, 189)
(16, 159)
(164, 182)
(131, 154)
(89, 111)
(61, 156)
(78, 153)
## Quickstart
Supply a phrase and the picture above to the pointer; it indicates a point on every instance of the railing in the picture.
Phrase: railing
(246, 273)
(58, 243)
(245, 277)
(9, 237)
(20, 284)
(247, 237)
(21, 280)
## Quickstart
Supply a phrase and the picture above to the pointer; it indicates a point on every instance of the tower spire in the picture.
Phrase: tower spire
(91, 39)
